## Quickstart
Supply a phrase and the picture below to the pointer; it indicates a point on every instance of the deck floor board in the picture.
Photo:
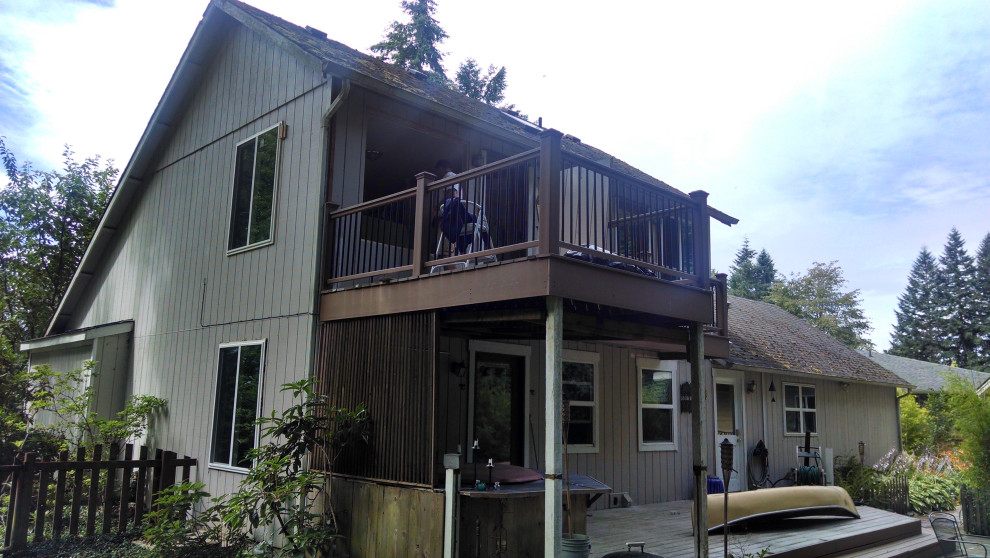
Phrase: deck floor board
(666, 530)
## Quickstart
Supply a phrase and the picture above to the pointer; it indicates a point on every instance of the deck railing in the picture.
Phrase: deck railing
(538, 202)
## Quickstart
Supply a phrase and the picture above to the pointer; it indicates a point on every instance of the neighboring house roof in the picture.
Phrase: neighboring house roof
(927, 376)
(767, 337)
(315, 50)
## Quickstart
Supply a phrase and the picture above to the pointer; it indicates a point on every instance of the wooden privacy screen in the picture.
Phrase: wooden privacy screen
(387, 364)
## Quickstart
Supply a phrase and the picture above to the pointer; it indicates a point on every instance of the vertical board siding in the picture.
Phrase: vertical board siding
(169, 271)
(387, 364)
(862, 412)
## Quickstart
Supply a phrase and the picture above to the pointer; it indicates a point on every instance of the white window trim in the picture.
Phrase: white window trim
(593, 358)
(800, 410)
(666, 366)
(233, 189)
(257, 411)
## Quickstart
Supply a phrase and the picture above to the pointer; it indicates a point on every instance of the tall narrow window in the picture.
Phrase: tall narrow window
(657, 413)
(253, 204)
(800, 409)
(579, 382)
(236, 404)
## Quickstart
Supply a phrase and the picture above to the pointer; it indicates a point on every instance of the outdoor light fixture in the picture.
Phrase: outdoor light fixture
(751, 386)
(458, 369)
(844, 386)
(685, 397)
(372, 154)
(773, 392)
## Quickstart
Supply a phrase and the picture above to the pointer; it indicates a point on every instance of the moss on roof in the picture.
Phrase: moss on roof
(765, 336)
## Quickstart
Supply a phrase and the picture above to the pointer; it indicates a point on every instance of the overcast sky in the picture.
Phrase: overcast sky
(855, 132)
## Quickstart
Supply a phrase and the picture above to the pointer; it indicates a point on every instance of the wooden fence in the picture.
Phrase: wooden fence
(100, 488)
(891, 494)
(975, 511)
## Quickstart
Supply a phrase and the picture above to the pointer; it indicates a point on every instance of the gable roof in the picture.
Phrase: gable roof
(927, 376)
(767, 337)
(315, 50)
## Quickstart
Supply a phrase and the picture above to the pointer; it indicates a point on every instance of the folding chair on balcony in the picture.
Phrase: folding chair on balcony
(463, 230)
(950, 538)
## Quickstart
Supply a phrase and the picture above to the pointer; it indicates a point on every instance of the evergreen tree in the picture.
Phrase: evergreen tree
(955, 296)
(416, 44)
(488, 88)
(743, 272)
(918, 331)
(766, 274)
(818, 297)
(981, 305)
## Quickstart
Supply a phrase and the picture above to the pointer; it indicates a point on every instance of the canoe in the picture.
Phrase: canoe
(781, 503)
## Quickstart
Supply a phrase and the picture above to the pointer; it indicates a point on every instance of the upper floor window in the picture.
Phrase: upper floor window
(255, 176)
(579, 382)
(657, 406)
(800, 409)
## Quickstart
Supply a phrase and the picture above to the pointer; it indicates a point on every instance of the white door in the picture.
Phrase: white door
(729, 426)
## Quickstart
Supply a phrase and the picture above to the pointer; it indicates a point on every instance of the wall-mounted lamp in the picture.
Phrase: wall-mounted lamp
(751, 386)
(773, 392)
(458, 369)
(844, 386)
(685, 397)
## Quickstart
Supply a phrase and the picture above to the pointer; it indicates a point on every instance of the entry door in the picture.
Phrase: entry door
(728, 425)
(498, 416)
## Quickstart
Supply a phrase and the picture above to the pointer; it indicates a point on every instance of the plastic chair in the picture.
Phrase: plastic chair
(464, 227)
(950, 539)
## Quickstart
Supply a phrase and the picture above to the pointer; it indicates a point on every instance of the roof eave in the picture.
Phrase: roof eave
(158, 126)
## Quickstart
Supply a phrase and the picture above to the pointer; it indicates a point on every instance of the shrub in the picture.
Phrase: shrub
(973, 426)
(916, 427)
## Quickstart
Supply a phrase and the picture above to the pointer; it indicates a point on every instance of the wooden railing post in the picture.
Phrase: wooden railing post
(722, 303)
(421, 226)
(21, 519)
(702, 239)
(549, 192)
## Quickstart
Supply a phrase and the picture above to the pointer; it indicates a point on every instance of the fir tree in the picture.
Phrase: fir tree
(743, 272)
(488, 88)
(415, 45)
(918, 331)
(981, 305)
(766, 274)
(955, 297)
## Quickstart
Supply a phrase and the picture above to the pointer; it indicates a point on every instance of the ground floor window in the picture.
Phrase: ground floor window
(236, 404)
(657, 405)
(580, 387)
(800, 409)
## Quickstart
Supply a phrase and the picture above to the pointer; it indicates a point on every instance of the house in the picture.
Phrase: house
(927, 377)
(785, 377)
(276, 221)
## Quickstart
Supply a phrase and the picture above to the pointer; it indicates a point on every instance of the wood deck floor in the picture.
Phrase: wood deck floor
(666, 530)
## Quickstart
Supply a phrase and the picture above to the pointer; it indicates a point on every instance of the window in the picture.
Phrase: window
(800, 409)
(253, 204)
(579, 383)
(657, 412)
(237, 404)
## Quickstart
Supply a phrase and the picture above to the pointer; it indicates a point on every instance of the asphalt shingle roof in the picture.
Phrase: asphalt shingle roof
(765, 336)
(927, 376)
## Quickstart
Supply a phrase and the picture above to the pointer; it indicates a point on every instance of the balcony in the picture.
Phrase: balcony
(544, 222)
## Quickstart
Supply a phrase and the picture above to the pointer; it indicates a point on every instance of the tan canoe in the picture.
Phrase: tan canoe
(781, 503)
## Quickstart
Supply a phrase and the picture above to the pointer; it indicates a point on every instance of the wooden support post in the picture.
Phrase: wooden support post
(422, 225)
(702, 240)
(58, 519)
(21, 519)
(94, 491)
(552, 511)
(125, 489)
(699, 436)
(452, 490)
(549, 208)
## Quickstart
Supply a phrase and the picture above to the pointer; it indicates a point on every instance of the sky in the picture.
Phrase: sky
(854, 132)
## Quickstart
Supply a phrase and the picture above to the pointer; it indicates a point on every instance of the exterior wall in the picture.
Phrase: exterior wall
(862, 412)
(169, 270)
(63, 359)
(648, 476)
